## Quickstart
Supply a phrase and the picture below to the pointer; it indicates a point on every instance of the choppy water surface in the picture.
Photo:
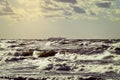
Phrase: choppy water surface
(60, 59)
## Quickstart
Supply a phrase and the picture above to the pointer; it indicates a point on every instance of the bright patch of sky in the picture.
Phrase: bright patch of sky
(59, 18)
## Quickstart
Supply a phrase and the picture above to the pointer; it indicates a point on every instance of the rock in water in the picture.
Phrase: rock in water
(36, 54)
(22, 53)
(62, 67)
(44, 53)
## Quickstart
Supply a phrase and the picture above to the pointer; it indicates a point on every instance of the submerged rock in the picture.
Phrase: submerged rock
(22, 53)
(62, 67)
(11, 58)
(2, 49)
(44, 53)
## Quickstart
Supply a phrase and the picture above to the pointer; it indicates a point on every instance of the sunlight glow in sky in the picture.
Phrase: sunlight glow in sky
(59, 18)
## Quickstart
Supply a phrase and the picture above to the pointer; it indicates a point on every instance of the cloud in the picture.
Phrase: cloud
(103, 4)
(5, 9)
(74, 9)
(78, 9)
(51, 8)
(67, 1)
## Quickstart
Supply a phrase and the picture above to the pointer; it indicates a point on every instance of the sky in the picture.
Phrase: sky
(39, 19)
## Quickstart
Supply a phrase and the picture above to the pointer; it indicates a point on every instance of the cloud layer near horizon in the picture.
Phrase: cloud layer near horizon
(65, 9)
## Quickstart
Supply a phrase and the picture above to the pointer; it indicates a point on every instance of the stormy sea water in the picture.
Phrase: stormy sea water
(60, 59)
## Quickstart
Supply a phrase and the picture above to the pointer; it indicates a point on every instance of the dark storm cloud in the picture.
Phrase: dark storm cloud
(27, 9)
(50, 8)
(48, 2)
(5, 9)
(2, 2)
(67, 1)
(78, 9)
(103, 4)
(53, 16)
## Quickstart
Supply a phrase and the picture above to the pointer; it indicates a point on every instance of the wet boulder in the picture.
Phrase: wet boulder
(2, 49)
(22, 53)
(12, 58)
(44, 53)
(62, 67)
(117, 50)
